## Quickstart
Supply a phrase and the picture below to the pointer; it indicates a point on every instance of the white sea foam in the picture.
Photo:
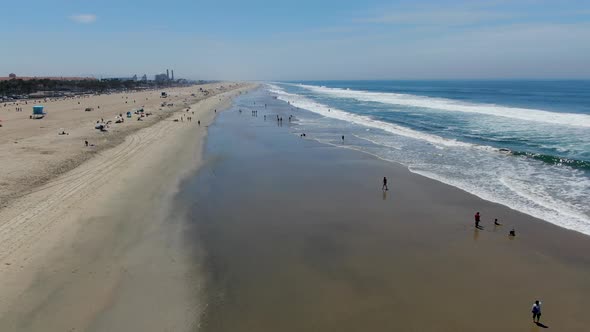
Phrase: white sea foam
(568, 119)
(552, 193)
(302, 102)
(520, 197)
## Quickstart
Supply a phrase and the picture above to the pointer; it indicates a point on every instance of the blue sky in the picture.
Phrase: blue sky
(295, 40)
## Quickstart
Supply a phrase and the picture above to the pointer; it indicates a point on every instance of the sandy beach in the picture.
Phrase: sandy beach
(86, 237)
(298, 236)
(295, 166)
(33, 151)
(258, 229)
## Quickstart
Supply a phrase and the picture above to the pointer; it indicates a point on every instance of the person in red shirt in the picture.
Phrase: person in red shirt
(477, 219)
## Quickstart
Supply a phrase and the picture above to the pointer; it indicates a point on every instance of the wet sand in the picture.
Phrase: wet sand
(299, 236)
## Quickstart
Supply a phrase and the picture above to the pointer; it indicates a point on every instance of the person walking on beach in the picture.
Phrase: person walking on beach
(536, 310)
(477, 219)
(384, 188)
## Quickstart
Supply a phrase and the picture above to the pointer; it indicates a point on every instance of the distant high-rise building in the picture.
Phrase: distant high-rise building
(167, 74)
(173, 74)
(134, 78)
(144, 78)
(161, 78)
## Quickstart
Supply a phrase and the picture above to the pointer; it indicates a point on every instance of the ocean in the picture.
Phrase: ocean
(523, 144)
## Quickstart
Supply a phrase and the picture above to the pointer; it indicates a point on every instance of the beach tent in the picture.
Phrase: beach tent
(38, 112)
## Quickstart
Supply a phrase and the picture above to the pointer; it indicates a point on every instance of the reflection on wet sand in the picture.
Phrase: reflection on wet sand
(296, 240)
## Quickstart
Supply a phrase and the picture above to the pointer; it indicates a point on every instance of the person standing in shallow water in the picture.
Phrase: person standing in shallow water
(384, 188)
(477, 219)
(536, 310)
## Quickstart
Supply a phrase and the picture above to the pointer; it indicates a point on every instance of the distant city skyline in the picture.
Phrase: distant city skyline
(302, 40)
(169, 75)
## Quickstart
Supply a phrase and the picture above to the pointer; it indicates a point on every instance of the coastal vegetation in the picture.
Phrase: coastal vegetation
(19, 87)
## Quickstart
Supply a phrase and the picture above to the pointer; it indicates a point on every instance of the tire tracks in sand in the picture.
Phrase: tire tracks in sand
(25, 221)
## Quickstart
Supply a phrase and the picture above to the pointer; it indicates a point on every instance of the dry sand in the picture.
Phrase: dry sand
(86, 239)
(32, 152)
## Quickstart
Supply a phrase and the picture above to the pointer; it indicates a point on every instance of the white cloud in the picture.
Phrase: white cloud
(83, 18)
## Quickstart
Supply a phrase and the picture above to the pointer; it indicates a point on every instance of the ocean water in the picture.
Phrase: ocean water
(523, 144)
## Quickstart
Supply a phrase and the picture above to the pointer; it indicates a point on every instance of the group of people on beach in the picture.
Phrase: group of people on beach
(536, 309)
(477, 219)
(188, 118)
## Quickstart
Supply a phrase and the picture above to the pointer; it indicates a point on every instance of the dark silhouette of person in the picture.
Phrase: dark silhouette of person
(384, 184)
(477, 219)
(536, 310)
(496, 222)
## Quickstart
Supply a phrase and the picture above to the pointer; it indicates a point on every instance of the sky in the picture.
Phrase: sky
(298, 39)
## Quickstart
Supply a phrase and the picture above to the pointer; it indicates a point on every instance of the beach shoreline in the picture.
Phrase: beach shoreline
(495, 152)
(297, 235)
(245, 226)
(99, 247)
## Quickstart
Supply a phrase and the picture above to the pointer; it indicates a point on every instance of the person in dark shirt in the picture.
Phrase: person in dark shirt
(536, 310)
